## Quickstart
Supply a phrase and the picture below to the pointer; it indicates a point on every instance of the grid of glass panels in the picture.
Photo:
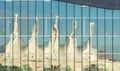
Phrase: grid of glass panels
(105, 39)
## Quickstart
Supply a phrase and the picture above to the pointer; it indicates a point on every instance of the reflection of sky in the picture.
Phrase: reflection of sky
(104, 25)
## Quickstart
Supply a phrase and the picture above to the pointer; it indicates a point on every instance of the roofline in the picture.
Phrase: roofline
(105, 4)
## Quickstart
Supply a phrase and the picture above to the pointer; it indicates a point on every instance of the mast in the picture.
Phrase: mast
(15, 30)
(91, 32)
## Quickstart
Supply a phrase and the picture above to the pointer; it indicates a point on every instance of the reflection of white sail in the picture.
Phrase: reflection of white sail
(15, 42)
(33, 46)
(91, 29)
(34, 30)
(90, 52)
(53, 42)
(56, 43)
(15, 32)
(9, 46)
(71, 45)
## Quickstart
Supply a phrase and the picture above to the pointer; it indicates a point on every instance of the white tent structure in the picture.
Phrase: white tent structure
(15, 44)
(89, 53)
(71, 46)
(55, 38)
(53, 43)
(9, 47)
(32, 41)
(33, 48)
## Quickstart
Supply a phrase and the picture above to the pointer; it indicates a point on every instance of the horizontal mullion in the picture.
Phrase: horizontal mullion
(63, 36)
(61, 17)
(65, 53)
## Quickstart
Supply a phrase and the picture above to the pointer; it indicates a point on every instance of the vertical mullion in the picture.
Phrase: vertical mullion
(112, 40)
(66, 37)
(58, 36)
(28, 28)
(74, 34)
(105, 39)
(97, 38)
(35, 37)
(12, 33)
(90, 37)
(20, 33)
(43, 35)
(81, 37)
(5, 31)
(51, 36)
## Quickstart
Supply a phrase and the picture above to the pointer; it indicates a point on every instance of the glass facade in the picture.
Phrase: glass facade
(106, 36)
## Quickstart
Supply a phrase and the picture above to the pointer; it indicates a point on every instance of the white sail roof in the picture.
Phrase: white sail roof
(15, 44)
(53, 42)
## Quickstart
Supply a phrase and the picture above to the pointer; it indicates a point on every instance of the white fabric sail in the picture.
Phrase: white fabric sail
(15, 32)
(71, 45)
(15, 44)
(89, 53)
(33, 46)
(56, 41)
(53, 42)
(9, 47)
